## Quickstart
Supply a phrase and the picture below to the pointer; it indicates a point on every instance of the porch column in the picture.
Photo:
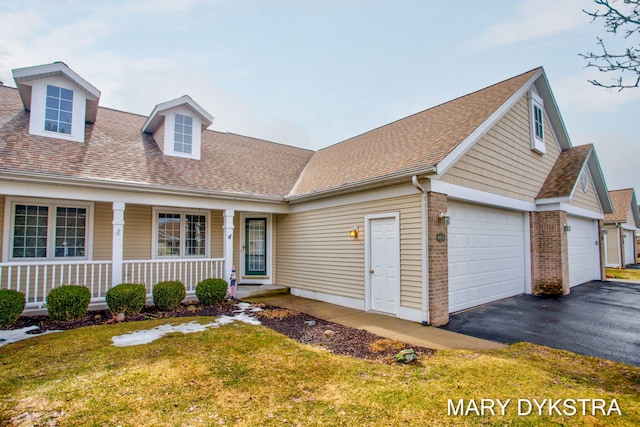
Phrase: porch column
(228, 242)
(118, 243)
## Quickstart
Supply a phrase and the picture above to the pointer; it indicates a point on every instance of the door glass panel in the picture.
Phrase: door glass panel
(255, 246)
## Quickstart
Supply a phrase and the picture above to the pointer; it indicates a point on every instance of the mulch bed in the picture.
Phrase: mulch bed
(298, 326)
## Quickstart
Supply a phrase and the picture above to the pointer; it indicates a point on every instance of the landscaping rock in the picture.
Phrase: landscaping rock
(120, 317)
(328, 334)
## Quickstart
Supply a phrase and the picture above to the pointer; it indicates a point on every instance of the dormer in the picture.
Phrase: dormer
(59, 101)
(177, 127)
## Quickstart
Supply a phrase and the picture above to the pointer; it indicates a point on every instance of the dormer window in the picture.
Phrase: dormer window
(177, 127)
(59, 101)
(536, 112)
(59, 110)
(183, 136)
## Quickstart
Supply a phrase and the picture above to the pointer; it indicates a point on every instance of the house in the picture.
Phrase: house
(621, 227)
(474, 200)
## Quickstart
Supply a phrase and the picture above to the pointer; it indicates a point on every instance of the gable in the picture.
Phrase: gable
(586, 199)
(502, 161)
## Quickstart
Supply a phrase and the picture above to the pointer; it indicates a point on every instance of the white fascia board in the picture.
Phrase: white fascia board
(571, 210)
(153, 121)
(475, 136)
(461, 193)
(628, 227)
(27, 74)
(137, 194)
(553, 200)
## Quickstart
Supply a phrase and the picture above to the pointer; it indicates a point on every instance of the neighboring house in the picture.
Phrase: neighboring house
(621, 229)
(471, 201)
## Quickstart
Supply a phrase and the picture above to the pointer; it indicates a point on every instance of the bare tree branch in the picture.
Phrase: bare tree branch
(625, 65)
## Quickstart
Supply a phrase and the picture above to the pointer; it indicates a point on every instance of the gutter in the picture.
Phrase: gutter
(366, 184)
(425, 251)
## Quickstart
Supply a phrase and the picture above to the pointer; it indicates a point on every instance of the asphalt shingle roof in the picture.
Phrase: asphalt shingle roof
(116, 151)
(565, 172)
(418, 141)
(621, 200)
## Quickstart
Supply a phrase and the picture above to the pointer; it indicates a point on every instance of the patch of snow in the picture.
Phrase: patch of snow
(15, 335)
(150, 335)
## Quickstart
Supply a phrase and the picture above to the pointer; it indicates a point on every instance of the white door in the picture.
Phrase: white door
(629, 257)
(584, 251)
(384, 253)
(486, 255)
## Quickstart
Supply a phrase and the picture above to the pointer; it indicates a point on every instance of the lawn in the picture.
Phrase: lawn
(627, 273)
(247, 375)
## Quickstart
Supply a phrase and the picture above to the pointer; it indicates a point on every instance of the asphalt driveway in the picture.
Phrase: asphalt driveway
(597, 319)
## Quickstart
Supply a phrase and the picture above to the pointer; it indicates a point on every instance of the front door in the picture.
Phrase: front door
(384, 265)
(255, 247)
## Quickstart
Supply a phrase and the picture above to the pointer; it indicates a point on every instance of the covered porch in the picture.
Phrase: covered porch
(55, 236)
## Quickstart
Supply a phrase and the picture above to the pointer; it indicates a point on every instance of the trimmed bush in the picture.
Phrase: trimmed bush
(168, 295)
(126, 298)
(211, 291)
(68, 302)
(11, 306)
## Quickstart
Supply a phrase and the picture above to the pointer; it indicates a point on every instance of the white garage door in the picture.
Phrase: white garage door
(584, 252)
(486, 255)
(628, 248)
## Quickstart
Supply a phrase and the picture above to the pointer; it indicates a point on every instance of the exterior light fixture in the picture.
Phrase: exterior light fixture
(567, 228)
(445, 218)
(353, 233)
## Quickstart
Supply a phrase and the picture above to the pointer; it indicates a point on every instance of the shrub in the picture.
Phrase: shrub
(211, 291)
(11, 306)
(68, 302)
(126, 298)
(168, 295)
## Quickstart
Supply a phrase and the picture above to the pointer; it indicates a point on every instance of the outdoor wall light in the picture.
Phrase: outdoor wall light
(353, 233)
(567, 227)
(605, 231)
(445, 218)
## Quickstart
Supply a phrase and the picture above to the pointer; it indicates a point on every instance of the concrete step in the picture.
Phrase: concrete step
(248, 291)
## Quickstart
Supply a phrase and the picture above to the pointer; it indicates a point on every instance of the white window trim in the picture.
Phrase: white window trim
(537, 144)
(177, 152)
(9, 224)
(44, 122)
(182, 213)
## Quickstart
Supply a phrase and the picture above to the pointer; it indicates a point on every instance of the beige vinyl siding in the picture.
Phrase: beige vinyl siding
(502, 161)
(137, 232)
(2, 231)
(613, 248)
(315, 251)
(217, 234)
(158, 136)
(630, 219)
(102, 231)
(588, 200)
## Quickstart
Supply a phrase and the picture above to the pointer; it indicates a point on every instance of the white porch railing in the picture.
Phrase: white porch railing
(188, 271)
(36, 279)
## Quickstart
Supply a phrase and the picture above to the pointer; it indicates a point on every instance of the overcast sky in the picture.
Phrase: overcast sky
(313, 73)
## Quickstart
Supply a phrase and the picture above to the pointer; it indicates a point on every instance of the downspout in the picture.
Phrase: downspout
(425, 251)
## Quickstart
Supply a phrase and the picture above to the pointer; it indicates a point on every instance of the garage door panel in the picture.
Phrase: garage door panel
(486, 255)
(583, 249)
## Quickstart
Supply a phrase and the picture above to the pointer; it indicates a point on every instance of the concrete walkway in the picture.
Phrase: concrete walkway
(386, 326)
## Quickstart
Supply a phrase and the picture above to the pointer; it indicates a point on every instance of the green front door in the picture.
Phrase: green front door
(255, 257)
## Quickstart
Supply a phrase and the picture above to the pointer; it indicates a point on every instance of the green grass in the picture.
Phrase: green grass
(626, 274)
(251, 376)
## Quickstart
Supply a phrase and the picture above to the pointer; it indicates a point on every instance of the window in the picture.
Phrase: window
(58, 110)
(183, 134)
(536, 111)
(48, 231)
(584, 181)
(538, 123)
(181, 234)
